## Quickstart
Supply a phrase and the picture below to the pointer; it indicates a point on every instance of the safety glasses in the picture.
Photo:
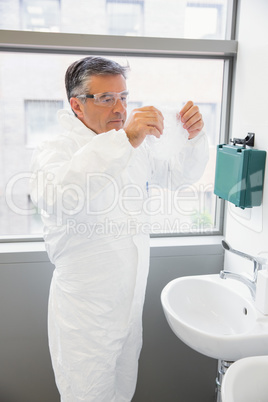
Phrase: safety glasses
(107, 99)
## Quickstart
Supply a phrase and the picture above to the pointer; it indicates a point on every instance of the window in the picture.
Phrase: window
(40, 120)
(40, 15)
(125, 17)
(205, 20)
(163, 73)
(162, 19)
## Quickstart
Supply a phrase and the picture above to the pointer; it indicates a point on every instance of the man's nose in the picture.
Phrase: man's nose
(119, 106)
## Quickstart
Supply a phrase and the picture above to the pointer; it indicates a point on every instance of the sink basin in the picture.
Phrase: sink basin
(215, 317)
(246, 381)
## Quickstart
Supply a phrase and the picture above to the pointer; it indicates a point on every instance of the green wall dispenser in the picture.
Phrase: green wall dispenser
(239, 175)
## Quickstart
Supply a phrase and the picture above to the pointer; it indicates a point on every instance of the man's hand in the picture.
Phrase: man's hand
(191, 119)
(144, 121)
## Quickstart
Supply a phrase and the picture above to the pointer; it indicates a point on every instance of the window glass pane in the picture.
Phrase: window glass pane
(34, 100)
(40, 15)
(40, 120)
(202, 22)
(125, 18)
(157, 18)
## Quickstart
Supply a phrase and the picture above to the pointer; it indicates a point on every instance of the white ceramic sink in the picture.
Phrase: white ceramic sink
(246, 381)
(215, 317)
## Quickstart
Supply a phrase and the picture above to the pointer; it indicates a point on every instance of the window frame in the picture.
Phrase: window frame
(113, 45)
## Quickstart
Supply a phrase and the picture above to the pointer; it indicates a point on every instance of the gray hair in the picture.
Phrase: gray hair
(78, 74)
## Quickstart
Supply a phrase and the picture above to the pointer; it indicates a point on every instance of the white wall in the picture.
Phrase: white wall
(247, 230)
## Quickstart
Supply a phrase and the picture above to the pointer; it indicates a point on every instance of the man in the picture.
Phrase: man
(91, 185)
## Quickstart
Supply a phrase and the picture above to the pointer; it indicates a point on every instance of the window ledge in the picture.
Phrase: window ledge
(34, 251)
(188, 245)
(15, 252)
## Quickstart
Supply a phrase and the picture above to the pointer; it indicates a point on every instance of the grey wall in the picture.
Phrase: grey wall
(25, 369)
(169, 370)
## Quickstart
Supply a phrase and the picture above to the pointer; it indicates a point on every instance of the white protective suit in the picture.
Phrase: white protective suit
(90, 190)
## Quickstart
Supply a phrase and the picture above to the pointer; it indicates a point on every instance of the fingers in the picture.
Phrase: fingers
(193, 133)
(144, 121)
(151, 130)
(186, 107)
(192, 119)
(194, 122)
(148, 120)
(151, 118)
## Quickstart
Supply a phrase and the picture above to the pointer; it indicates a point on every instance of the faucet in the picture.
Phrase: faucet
(258, 265)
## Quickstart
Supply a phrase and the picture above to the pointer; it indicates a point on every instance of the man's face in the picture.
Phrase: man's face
(101, 119)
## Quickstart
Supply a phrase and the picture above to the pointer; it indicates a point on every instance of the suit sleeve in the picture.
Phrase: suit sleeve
(64, 169)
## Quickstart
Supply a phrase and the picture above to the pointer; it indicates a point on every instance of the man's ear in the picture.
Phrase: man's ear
(77, 107)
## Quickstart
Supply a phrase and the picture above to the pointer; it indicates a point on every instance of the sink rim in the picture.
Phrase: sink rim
(221, 283)
(245, 367)
(229, 347)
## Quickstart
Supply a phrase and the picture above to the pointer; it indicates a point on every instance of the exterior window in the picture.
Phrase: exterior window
(168, 85)
(40, 15)
(125, 17)
(32, 89)
(205, 19)
(40, 118)
(162, 19)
